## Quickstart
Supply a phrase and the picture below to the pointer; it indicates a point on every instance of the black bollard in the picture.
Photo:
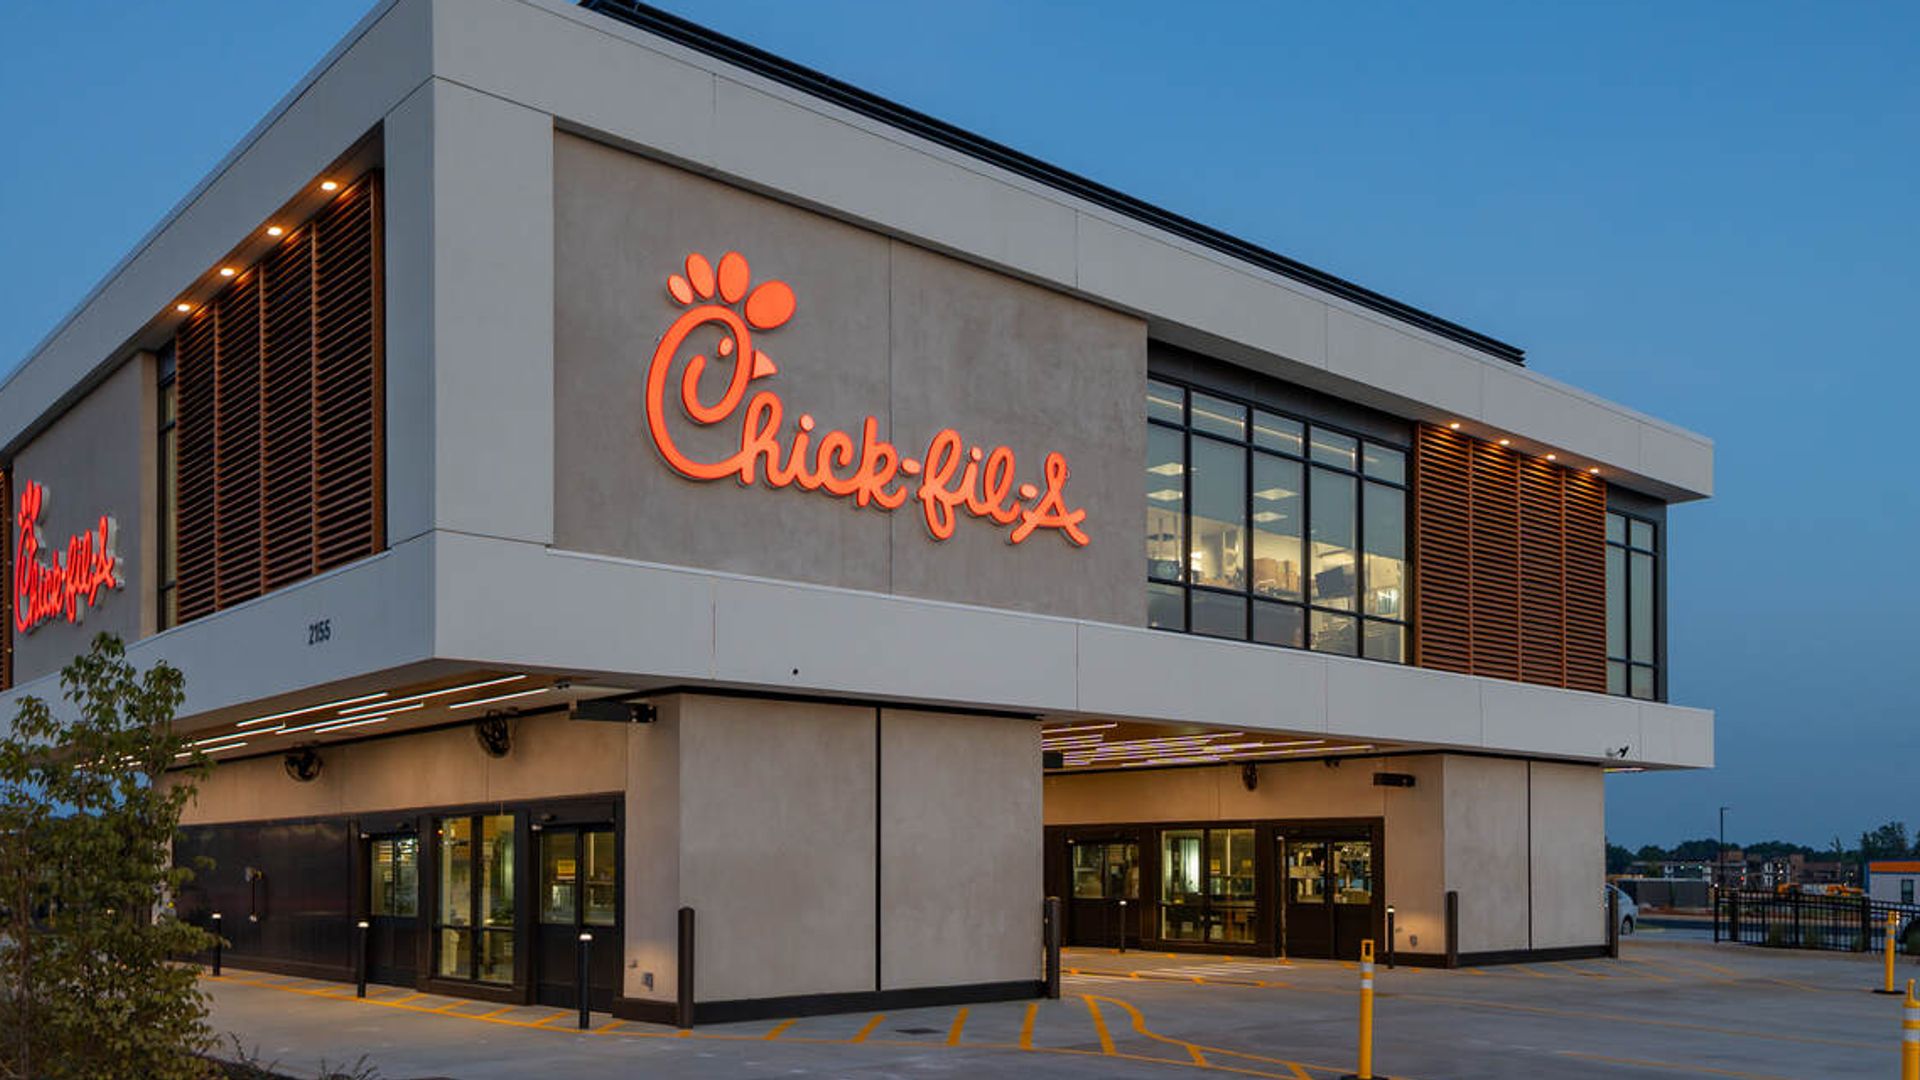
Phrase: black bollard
(216, 944)
(1389, 935)
(360, 958)
(586, 954)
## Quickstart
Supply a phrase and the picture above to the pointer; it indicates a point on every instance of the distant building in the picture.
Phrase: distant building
(1893, 880)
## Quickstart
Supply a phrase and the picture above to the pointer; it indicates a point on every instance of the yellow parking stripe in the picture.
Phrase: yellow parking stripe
(1026, 1026)
(779, 1029)
(1099, 1024)
(861, 1035)
(959, 1025)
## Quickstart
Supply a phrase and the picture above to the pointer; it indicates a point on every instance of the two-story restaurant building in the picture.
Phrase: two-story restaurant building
(587, 467)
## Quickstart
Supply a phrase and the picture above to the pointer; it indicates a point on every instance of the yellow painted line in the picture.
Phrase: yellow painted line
(1672, 1066)
(545, 1021)
(494, 1012)
(1026, 1026)
(959, 1025)
(779, 1029)
(608, 1026)
(396, 1001)
(1198, 1051)
(1099, 1025)
(861, 1035)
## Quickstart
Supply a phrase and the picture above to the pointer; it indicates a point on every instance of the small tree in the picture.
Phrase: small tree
(88, 944)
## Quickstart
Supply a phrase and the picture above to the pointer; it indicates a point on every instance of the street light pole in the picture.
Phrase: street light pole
(1720, 856)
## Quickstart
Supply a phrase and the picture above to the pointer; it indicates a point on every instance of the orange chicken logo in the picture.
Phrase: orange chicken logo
(949, 479)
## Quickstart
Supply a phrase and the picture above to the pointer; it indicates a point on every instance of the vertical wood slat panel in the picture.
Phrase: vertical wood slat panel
(1510, 557)
(1442, 556)
(279, 390)
(196, 435)
(1586, 546)
(347, 380)
(6, 594)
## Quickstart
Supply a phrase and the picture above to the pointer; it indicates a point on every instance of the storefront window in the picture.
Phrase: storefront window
(1207, 885)
(467, 951)
(1182, 899)
(559, 870)
(1106, 871)
(1266, 528)
(1353, 872)
(1230, 885)
(396, 878)
(600, 883)
(1632, 622)
(1307, 872)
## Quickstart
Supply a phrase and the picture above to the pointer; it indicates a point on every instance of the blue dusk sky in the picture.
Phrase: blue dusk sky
(1702, 211)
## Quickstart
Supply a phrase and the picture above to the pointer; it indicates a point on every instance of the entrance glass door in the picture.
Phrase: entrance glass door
(393, 909)
(1327, 891)
(1105, 873)
(473, 924)
(579, 892)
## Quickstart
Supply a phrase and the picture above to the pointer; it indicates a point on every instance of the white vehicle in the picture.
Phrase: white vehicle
(1629, 911)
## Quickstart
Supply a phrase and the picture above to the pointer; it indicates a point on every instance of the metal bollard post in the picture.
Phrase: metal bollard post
(586, 955)
(1365, 1071)
(216, 944)
(360, 958)
(1893, 920)
(1613, 924)
(1910, 1037)
(683, 1000)
(1389, 936)
(1123, 927)
(1453, 928)
(1053, 931)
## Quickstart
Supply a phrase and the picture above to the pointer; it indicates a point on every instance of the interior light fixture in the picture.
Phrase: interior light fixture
(1083, 727)
(275, 230)
(1506, 442)
(350, 723)
(183, 306)
(333, 720)
(1550, 457)
(1455, 426)
(329, 185)
(1595, 470)
(310, 708)
(228, 271)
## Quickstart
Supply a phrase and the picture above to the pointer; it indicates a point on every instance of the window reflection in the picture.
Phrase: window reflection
(1218, 552)
(1166, 503)
(1334, 532)
(1263, 527)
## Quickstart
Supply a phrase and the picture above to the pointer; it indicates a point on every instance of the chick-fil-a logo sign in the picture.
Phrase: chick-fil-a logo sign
(952, 477)
(74, 576)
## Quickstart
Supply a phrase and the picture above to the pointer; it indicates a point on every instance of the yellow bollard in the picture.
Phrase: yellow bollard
(1365, 1071)
(1910, 1037)
(1893, 921)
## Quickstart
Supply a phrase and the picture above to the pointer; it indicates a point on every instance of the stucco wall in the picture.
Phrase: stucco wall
(777, 846)
(918, 340)
(960, 867)
(1486, 849)
(93, 461)
(551, 757)
(1569, 854)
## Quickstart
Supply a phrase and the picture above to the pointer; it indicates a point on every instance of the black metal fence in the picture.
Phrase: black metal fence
(1795, 920)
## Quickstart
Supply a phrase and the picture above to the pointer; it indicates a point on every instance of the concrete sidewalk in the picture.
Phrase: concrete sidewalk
(1662, 1009)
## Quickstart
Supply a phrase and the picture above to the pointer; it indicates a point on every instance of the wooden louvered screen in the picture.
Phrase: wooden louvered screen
(1511, 562)
(6, 594)
(280, 395)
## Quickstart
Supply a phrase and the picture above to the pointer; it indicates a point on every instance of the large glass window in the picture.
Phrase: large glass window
(1267, 528)
(395, 878)
(1207, 885)
(1106, 871)
(1632, 622)
(475, 914)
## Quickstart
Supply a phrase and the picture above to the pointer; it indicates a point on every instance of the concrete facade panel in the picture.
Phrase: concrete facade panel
(1591, 726)
(1369, 353)
(777, 846)
(960, 853)
(1568, 859)
(1148, 673)
(1485, 807)
(407, 188)
(493, 387)
(92, 464)
(803, 151)
(1391, 702)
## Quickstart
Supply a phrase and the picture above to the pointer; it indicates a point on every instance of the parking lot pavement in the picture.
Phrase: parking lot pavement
(1664, 1008)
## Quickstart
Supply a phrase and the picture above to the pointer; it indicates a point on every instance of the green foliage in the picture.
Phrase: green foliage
(88, 945)
(1889, 841)
(1618, 859)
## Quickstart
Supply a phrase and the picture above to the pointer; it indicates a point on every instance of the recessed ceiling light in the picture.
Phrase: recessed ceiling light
(1550, 457)
(275, 230)
(228, 271)
(1595, 470)
(1506, 442)
(329, 185)
(183, 307)
(1455, 425)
